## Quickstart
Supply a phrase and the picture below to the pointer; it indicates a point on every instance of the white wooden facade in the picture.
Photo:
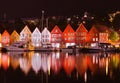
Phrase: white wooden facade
(46, 37)
(36, 38)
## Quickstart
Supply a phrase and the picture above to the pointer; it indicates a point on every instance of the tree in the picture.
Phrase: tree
(114, 36)
(116, 22)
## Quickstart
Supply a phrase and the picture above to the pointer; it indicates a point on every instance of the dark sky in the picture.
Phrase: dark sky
(32, 8)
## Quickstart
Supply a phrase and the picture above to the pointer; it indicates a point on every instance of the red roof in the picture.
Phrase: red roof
(93, 30)
(5, 33)
(56, 30)
(68, 29)
(81, 28)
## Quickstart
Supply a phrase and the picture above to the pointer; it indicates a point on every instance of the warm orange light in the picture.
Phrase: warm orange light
(5, 61)
(69, 64)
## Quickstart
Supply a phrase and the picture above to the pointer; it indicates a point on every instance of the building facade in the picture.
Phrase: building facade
(5, 38)
(36, 38)
(81, 35)
(15, 37)
(56, 37)
(46, 37)
(69, 37)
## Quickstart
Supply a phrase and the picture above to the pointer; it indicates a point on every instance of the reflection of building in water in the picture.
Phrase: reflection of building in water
(44, 65)
(82, 65)
(5, 61)
(14, 61)
(25, 64)
(36, 62)
(69, 64)
(85, 62)
(56, 64)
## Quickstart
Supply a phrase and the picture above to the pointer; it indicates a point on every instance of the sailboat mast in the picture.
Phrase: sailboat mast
(42, 19)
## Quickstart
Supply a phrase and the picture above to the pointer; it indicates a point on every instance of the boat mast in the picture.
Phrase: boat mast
(47, 22)
(42, 19)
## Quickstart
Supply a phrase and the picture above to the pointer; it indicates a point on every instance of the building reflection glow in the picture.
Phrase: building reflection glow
(83, 65)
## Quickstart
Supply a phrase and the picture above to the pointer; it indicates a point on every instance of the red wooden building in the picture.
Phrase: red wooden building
(69, 36)
(93, 36)
(5, 38)
(81, 35)
(56, 37)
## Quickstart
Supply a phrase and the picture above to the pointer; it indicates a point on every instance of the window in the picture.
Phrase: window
(93, 39)
(96, 39)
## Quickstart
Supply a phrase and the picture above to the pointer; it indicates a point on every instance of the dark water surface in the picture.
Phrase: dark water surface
(32, 67)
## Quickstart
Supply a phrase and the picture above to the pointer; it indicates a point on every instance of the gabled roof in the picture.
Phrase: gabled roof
(81, 28)
(5, 33)
(56, 30)
(26, 29)
(14, 33)
(68, 29)
(93, 30)
(46, 31)
(36, 31)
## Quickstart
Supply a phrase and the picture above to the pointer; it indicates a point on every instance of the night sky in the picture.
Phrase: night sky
(32, 8)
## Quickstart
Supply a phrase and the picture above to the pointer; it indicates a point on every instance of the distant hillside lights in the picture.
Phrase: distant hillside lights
(56, 38)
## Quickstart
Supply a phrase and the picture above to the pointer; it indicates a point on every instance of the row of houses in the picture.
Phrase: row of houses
(56, 38)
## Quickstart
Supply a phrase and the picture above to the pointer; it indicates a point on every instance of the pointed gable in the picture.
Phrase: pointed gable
(5, 33)
(93, 30)
(81, 28)
(68, 29)
(14, 37)
(36, 31)
(26, 30)
(56, 30)
(45, 31)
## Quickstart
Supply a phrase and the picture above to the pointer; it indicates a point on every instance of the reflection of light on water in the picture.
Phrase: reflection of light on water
(0, 59)
(25, 65)
(93, 59)
(49, 65)
(36, 62)
(77, 75)
(96, 60)
(66, 55)
(0, 45)
(5, 61)
(85, 77)
(58, 55)
(106, 66)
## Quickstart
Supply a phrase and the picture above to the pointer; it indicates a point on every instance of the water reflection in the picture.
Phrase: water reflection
(79, 65)
(25, 64)
(36, 62)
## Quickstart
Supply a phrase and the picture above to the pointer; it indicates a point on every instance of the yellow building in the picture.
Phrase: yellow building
(14, 37)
